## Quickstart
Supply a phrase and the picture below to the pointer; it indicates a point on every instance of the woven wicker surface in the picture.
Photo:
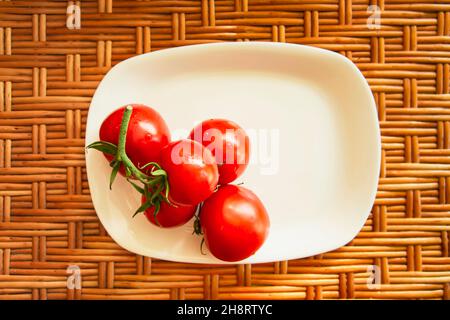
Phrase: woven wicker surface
(48, 75)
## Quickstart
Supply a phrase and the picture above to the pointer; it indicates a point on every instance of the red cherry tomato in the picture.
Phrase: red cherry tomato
(147, 134)
(228, 142)
(191, 170)
(170, 215)
(235, 223)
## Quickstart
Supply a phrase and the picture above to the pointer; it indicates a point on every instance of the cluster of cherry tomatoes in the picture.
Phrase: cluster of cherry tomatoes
(189, 177)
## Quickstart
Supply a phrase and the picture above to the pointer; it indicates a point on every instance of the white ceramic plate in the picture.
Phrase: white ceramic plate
(316, 171)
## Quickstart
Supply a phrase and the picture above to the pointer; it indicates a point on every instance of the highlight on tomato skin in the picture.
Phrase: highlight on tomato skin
(228, 142)
(147, 134)
(169, 215)
(234, 222)
(191, 171)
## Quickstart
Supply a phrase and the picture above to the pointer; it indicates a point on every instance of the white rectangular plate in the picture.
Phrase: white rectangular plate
(317, 179)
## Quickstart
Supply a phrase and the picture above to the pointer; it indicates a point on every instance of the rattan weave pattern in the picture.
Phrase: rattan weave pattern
(48, 75)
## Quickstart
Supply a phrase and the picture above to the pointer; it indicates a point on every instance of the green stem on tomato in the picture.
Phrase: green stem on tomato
(156, 179)
(122, 155)
(123, 132)
(148, 181)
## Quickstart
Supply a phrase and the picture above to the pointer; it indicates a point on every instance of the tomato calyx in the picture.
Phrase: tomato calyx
(153, 198)
(155, 185)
